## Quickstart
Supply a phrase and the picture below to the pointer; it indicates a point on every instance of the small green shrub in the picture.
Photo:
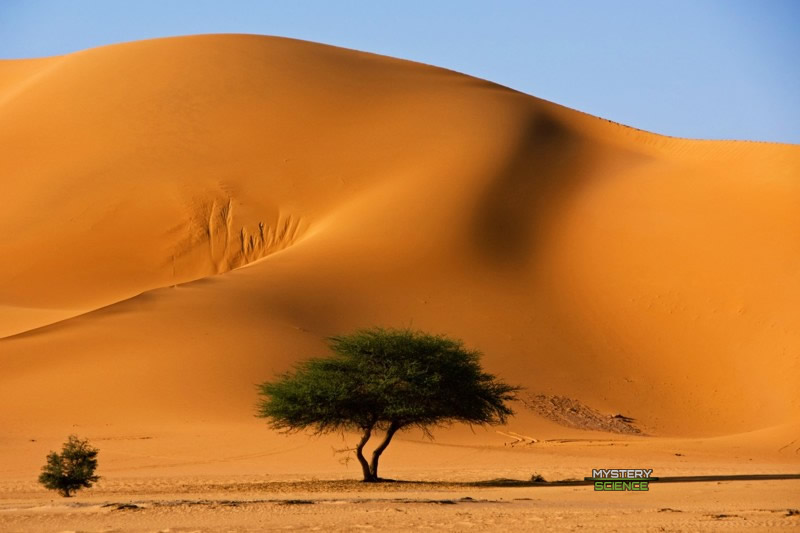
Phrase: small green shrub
(72, 469)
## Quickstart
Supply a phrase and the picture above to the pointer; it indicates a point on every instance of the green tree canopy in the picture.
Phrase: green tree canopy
(386, 379)
(72, 469)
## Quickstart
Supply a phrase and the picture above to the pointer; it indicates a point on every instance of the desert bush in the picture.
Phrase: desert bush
(72, 469)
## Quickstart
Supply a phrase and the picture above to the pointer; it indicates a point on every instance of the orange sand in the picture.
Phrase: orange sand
(186, 217)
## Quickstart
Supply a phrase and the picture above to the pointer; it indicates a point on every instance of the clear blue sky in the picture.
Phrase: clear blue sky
(726, 69)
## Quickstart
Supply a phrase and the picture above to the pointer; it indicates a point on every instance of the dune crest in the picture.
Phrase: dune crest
(633, 273)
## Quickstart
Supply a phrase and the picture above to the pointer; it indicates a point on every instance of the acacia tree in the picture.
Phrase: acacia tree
(72, 469)
(386, 380)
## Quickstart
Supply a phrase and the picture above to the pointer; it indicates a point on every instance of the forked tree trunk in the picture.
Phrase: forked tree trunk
(376, 455)
(368, 477)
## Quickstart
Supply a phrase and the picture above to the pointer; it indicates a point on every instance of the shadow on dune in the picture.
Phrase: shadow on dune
(544, 166)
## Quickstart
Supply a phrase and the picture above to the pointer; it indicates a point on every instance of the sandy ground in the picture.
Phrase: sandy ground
(175, 505)
(461, 483)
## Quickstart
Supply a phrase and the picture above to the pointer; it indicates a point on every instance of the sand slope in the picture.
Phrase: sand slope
(640, 274)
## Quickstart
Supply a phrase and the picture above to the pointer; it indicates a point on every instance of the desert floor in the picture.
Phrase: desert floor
(164, 504)
(297, 483)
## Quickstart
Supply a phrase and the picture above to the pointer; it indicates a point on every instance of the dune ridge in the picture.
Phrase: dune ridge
(638, 274)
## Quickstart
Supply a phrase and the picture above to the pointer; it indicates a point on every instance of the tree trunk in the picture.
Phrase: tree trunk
(368, 477)
(376, 455)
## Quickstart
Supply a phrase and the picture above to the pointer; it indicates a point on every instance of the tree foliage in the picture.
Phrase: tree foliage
(389, 380)
(72, 469)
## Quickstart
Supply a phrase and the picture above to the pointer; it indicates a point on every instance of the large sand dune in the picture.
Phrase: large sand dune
(183, 218)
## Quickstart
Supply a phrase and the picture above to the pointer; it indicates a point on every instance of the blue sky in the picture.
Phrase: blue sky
(727, 69)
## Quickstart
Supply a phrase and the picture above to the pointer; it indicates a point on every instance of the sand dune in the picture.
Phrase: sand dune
(185, 217)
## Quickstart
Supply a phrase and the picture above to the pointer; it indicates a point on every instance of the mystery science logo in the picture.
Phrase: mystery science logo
(621, 479)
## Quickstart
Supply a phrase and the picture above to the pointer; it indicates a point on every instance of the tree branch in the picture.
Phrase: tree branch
(360, 454)
(376, 455)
